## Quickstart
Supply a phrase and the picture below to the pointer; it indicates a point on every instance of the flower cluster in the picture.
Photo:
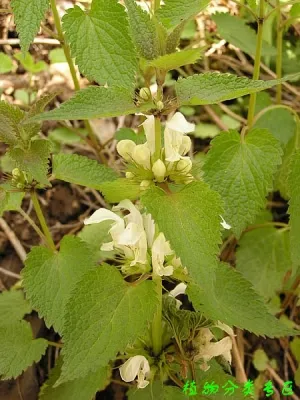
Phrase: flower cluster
(136, 239)
(207, 348)
(173, 162)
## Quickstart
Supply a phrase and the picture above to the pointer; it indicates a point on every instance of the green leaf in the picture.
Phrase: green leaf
(93, 323)
(120, 189)
(94, 102)
(59, 273)
(156, 390)
(79, 389)
(129, 134)
(280, 122)
(57, 56)
(281, 178)
(204, 130)
(18, 349)
(294, 207)
(28, 15)
(100, 43)
(94, 236)
(34, 160)
(27, 61)
(176, 60)
(190, 220)
(233, 301)
(242, 172)
(174, 12)
(263, 258)
(6, 64)
(173, 39)
(81, 170)
(13, 307)
(9, 201)
(212, 87)
(65, 135)
(10, 117)
(260, 360)
(235, 31)
(142, 29)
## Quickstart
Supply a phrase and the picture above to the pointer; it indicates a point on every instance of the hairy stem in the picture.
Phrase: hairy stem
(156, 5)
(279, 53)
(256, 71)
(33, 224)
(42, 220)
(66, 49)
(157, 321)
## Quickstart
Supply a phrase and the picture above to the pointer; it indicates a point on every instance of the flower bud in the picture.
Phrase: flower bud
(20, 186)
(129, 175)
(16, 173)
(125, 149)
(160, 105)
(189, 178)
(145, 184)
(145, 93)
(159, 170)
(184, 165)
(141, 155)
(185, 145)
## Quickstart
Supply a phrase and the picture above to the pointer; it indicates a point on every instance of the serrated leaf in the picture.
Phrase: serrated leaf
(235, 31)
(34, 160)
(10, 117)
(100, 43)
(79, 389)
(281, 178)
(174, 12)
(81, 170)
(263, 258)
(18, 349)
(142, 29)
(120, 189)
(242, 172)
(176, 60)
(59, 273)
(173, 39)
(280, 122)
(13, 307)
(9, 201)
(6, 64)
(294, 207)
(93, 323)
(190, 220)
(94, 102)
(28, 16)
(233, 301)
(212, 87)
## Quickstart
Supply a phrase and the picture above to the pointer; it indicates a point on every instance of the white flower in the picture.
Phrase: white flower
(224, 223)
(160, 249)
(173, 137)
(136, 366)
(125, 149)
(141, 155)
(149, 128)
(208, 349)
(179, 289)
(149, 226)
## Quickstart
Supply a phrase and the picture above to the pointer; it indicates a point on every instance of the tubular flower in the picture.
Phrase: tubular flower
(224, 223)
(160, 249)
(136, 366)
(175, 145)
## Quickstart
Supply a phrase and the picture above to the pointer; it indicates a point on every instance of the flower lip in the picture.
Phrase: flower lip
(136, 366)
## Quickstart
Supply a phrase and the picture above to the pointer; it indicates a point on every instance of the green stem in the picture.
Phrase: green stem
(157, 321)
(54, 344)
(156, 155)
(256, 71)
(42, 220)
(33, 224)
(279, 40)
(156, 5)
(67, 52)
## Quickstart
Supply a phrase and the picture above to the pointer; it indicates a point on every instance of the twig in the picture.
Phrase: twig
(13, 240)
(11, 42)
(279, 380)
(9, 273)
(215, 118)
(232, 114)
(240, 371)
